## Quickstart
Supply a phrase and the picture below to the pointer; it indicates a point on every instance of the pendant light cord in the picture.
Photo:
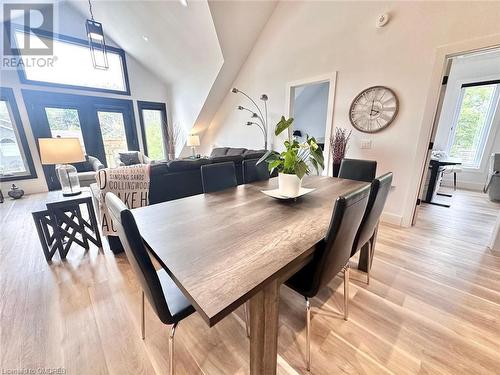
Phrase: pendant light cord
(90, 9)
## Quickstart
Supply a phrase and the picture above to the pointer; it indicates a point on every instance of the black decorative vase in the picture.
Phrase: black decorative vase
(15, 192)
(335, 169)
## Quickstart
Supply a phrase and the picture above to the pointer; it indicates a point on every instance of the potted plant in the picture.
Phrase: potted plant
(292, 163)
(338, 148)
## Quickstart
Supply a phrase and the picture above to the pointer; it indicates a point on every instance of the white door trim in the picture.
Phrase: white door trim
(430, 109)
(331, 78)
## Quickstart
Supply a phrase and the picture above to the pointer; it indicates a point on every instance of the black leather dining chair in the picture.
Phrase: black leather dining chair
(167, 301)
(331, 255)
(253, 172)
(218, 176)
(357, 169)
(379, 190)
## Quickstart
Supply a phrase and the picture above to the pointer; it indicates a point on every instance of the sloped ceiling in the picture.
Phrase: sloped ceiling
(197, 50)
(238, 25)
(179, 37)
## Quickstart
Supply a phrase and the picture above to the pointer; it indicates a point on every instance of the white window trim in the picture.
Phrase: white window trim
(486, 130)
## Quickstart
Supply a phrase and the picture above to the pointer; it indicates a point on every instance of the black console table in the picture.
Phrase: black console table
(60, 223)
(437, 167)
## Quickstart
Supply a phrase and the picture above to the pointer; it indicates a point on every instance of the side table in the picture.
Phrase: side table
(61, 224)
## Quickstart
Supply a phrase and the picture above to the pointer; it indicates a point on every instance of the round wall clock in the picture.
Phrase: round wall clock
(374, 109)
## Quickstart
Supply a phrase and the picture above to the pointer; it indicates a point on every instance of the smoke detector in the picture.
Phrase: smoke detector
(382, 20)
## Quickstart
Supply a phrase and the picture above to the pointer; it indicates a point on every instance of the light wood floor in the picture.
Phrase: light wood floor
(433, 307)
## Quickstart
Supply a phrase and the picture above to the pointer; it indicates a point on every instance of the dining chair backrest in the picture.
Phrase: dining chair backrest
(218, 176)
(254, 172)
(128, 232)
(335, 250)
(357, 169)
(379, 190)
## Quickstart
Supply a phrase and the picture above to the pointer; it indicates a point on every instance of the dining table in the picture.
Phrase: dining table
(225, 248)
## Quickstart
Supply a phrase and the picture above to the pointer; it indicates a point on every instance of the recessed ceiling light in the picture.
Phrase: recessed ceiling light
(146, 39)
(184, 2)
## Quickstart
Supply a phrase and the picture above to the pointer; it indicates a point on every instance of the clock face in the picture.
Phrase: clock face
(374, 109)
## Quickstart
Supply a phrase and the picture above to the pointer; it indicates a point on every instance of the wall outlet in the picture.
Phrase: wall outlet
(366, 144)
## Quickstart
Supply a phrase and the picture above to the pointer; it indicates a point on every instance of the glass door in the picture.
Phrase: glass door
(113, 135)
(104, 126)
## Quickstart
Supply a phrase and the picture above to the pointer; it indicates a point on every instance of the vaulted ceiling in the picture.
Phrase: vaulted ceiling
(197, 50)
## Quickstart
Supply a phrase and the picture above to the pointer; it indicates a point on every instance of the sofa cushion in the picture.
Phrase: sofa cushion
(130, 158)
(83, 166)
(183, 165)
(253, 154)
(159, 168)
(221, 159)
(219, 151)
(235, 151)
(86, 178)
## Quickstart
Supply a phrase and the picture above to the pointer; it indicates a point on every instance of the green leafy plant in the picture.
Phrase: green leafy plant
(296, 155)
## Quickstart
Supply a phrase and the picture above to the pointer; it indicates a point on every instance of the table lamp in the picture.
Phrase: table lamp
(193, 141)
(61, 151)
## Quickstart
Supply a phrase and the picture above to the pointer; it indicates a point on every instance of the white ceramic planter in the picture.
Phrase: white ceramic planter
(289, 184)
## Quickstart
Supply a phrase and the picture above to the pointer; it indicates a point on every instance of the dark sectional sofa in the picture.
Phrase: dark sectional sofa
(182, 177)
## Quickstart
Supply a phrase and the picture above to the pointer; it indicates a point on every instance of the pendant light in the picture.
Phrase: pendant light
(97, 43)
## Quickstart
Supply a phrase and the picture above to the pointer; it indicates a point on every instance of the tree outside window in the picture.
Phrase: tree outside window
(470, 133)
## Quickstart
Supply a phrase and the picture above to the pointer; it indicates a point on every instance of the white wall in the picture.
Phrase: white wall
(304, 39)
(310, 110)
(467, 69)
(143, 86)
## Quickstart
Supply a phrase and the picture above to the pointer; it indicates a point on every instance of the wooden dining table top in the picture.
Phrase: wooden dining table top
(221, 248)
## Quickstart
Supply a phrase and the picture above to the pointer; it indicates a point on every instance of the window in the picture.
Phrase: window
(72, 66)
(113, 135)
(153, 119)
(65, 123)
(477, 106)
(104, 126)
(15, 159)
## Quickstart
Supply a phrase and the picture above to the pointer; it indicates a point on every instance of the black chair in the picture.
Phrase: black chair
(167, 301)
(253, 172)
(218, 176)
(356, 169)
(331, 255)
(379, 190)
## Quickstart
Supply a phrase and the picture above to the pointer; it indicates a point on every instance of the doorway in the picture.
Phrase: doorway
(104, 126)
(310, 103)
(465, 134)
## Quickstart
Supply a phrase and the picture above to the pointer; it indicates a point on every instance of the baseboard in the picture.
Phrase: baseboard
(475, 186)
(390, 218)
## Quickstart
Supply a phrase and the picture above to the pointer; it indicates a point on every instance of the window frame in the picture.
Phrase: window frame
(7, 94)
(72, 40)
(490, 116)
(141, 105)
(87, 105)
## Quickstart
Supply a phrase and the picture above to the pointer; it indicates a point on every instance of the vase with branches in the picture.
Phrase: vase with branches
(338, 147)
(175, 136)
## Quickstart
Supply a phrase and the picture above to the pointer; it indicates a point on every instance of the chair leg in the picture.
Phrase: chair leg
(346, 291)
(247, 324)
(308, 334)
(369, 262)
(454, 181)
(143, 319)
(171, 349)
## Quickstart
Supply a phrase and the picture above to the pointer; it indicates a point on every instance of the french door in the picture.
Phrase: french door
(104, 126)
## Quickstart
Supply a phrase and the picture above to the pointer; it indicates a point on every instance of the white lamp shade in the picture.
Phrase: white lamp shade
(60, 150)
(193, 140)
